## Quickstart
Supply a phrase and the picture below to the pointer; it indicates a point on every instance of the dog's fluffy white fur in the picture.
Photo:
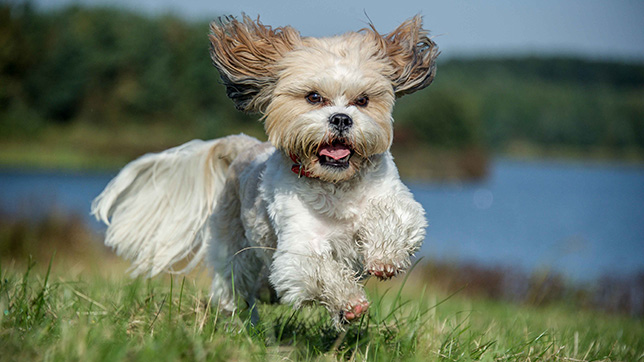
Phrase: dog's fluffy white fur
(308, 214)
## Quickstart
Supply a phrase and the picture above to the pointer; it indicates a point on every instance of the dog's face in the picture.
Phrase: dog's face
(326, 102)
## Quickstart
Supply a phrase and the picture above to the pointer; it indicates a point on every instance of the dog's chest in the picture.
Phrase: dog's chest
(309, 210)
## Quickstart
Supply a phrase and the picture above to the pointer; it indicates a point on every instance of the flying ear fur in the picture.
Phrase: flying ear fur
(412, 54)
(244, 52)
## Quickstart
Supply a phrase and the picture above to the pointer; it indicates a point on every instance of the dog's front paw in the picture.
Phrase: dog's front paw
(354, 309)
(384, 270)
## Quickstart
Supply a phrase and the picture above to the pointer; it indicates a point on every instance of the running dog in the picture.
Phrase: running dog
(312, 212)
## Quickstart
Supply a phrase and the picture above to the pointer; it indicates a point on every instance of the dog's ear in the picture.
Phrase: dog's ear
(244, 52)
(413, 56)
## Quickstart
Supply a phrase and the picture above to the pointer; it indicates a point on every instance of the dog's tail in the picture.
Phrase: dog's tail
(156, 208)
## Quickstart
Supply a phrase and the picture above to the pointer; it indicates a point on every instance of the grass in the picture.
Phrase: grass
(63, 313)
(64, 297)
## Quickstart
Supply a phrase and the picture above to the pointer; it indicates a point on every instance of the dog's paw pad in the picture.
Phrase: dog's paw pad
(383, 271)
(354, 310)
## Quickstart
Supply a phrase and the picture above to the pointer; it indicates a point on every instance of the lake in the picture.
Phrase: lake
(582, 220)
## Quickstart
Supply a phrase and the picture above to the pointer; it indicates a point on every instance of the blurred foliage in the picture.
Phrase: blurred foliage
(56, 234)
(543, 101)
(616, 294)
(105, 68)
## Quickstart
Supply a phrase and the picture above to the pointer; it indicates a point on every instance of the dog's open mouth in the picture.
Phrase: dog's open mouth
(336, 154)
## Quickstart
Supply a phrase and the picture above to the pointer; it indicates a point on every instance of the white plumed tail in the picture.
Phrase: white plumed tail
(156, 208)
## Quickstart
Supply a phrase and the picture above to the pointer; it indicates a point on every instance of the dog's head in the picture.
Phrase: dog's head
(326, 102)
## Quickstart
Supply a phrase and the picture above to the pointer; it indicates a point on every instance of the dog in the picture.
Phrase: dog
(308, 215)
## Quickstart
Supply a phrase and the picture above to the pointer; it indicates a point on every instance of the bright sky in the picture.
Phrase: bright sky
(608, 29)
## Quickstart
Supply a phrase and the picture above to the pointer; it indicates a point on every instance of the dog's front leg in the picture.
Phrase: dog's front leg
(392, 229)
(302, 279)
(306, 269)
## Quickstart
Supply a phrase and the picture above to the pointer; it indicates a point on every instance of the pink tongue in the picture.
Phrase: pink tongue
(336, 152)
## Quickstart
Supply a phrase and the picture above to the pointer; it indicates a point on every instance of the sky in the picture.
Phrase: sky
(601, 29)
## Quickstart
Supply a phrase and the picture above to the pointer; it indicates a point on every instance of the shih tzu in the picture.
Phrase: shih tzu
(312, 212)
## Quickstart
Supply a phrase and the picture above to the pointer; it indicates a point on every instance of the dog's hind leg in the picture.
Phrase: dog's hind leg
(221, 294)
(236, 267)
(235, 276)
(225, 228)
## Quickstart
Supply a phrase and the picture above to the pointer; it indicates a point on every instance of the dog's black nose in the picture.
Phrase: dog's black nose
(341, 121)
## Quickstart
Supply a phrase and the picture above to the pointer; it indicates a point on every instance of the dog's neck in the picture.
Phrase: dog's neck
(298, 168)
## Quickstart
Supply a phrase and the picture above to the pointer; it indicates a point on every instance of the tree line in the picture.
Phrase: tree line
(106, 67)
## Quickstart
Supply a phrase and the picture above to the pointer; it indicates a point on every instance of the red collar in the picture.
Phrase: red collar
(298, 168)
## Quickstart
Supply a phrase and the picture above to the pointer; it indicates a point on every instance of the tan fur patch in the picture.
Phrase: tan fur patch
(243, 52)
(412, 54)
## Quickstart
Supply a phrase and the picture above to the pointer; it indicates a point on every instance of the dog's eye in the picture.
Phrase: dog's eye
(361, 101)
(314, 98)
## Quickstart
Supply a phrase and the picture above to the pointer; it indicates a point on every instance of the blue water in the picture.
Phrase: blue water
(35, 193)
(584, 221)
(581, 220)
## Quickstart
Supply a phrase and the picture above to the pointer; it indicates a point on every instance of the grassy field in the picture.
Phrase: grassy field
(64, 297)
(78, 311)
